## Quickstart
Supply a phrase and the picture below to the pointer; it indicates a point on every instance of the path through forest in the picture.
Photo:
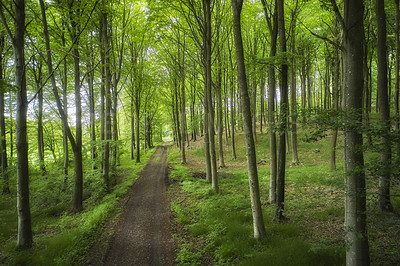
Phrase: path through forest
(142, 234)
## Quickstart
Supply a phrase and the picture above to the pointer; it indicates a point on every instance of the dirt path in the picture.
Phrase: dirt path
(142, 235)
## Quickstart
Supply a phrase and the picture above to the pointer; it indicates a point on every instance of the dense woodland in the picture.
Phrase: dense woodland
(89, 87)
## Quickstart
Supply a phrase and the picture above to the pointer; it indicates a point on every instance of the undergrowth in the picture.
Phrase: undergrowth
(219, 226)
(62, 237)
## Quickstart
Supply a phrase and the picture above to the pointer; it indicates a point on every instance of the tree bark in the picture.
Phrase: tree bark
(384, 108)
(24, 239)
(273, 30)
(3, 141)
(65, 104)
(357, 252)
(78, 167)
(258, 222)
(293, 90)
(397, 72)
(208, 92)
(108, 100)
(219, 110)
(280, 190)
(40, 121)
(233, 122)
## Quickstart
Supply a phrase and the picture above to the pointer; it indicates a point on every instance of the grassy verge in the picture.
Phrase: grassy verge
(217, 228)
(60, 236)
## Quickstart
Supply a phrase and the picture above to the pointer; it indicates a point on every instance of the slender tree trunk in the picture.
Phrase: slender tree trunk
(293, 91)
(273, 29)
(183, 114)
(108, 101)
(78, 169)
(233, 122)
(92, 115)
(280, 189)
(40, 121)
(335, 96)
(384, 108)
(258, 222)
(65, 104)
(254, 100)
(132, 131)
(3, 141)
(397, 72)
(24, 239)
(208, 92)
(219, 111)
(357, 252)
(137, 130)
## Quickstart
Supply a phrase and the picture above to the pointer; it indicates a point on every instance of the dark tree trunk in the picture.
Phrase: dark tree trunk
(108, 101)
(293, 92)
(132, 131)
(65, 104)
(208, 92)
(92, 115)
(384, 108)
(258, 221)
(3, 141)
(219, 110)
(397, 73)
(233, 122)
(357, 252)
(24, 239)
(40, 120)
(280, 189)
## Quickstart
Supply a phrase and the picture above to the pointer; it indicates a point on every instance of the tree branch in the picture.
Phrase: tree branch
(338, 14)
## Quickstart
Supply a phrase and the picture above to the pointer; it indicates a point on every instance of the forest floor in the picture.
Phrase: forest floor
(141, 235)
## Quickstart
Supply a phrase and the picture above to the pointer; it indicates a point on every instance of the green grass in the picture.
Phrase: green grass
(60, 236)
(218, 227)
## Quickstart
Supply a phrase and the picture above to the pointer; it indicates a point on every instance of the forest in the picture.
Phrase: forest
(281, 119)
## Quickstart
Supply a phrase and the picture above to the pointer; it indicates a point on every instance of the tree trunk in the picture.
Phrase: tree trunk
(65, 126)
(384, 108)
(273, 30)
(24, 239)
(132, 131)
(397, 73)
(219, 111)
(293, 92)
(357, 252)
(137, 129)
(208, 92)
(335, 106)
(280, 190)
(258, 222)
(92, 115)
(183, 101)
(108, 101)
(233, 122)
(3, 141)
(40, 121)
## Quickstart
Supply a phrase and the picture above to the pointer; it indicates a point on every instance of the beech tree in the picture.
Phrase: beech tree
(18, 42)
(258, 222)
(3, 141)
(357, 252)
(384, 108)
(280, 189)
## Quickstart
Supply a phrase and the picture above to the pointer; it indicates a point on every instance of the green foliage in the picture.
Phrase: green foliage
(60, 236)
(187, 257)
(224, 220)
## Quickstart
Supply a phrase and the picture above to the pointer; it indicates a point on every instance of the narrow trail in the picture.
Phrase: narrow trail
(142, 235)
